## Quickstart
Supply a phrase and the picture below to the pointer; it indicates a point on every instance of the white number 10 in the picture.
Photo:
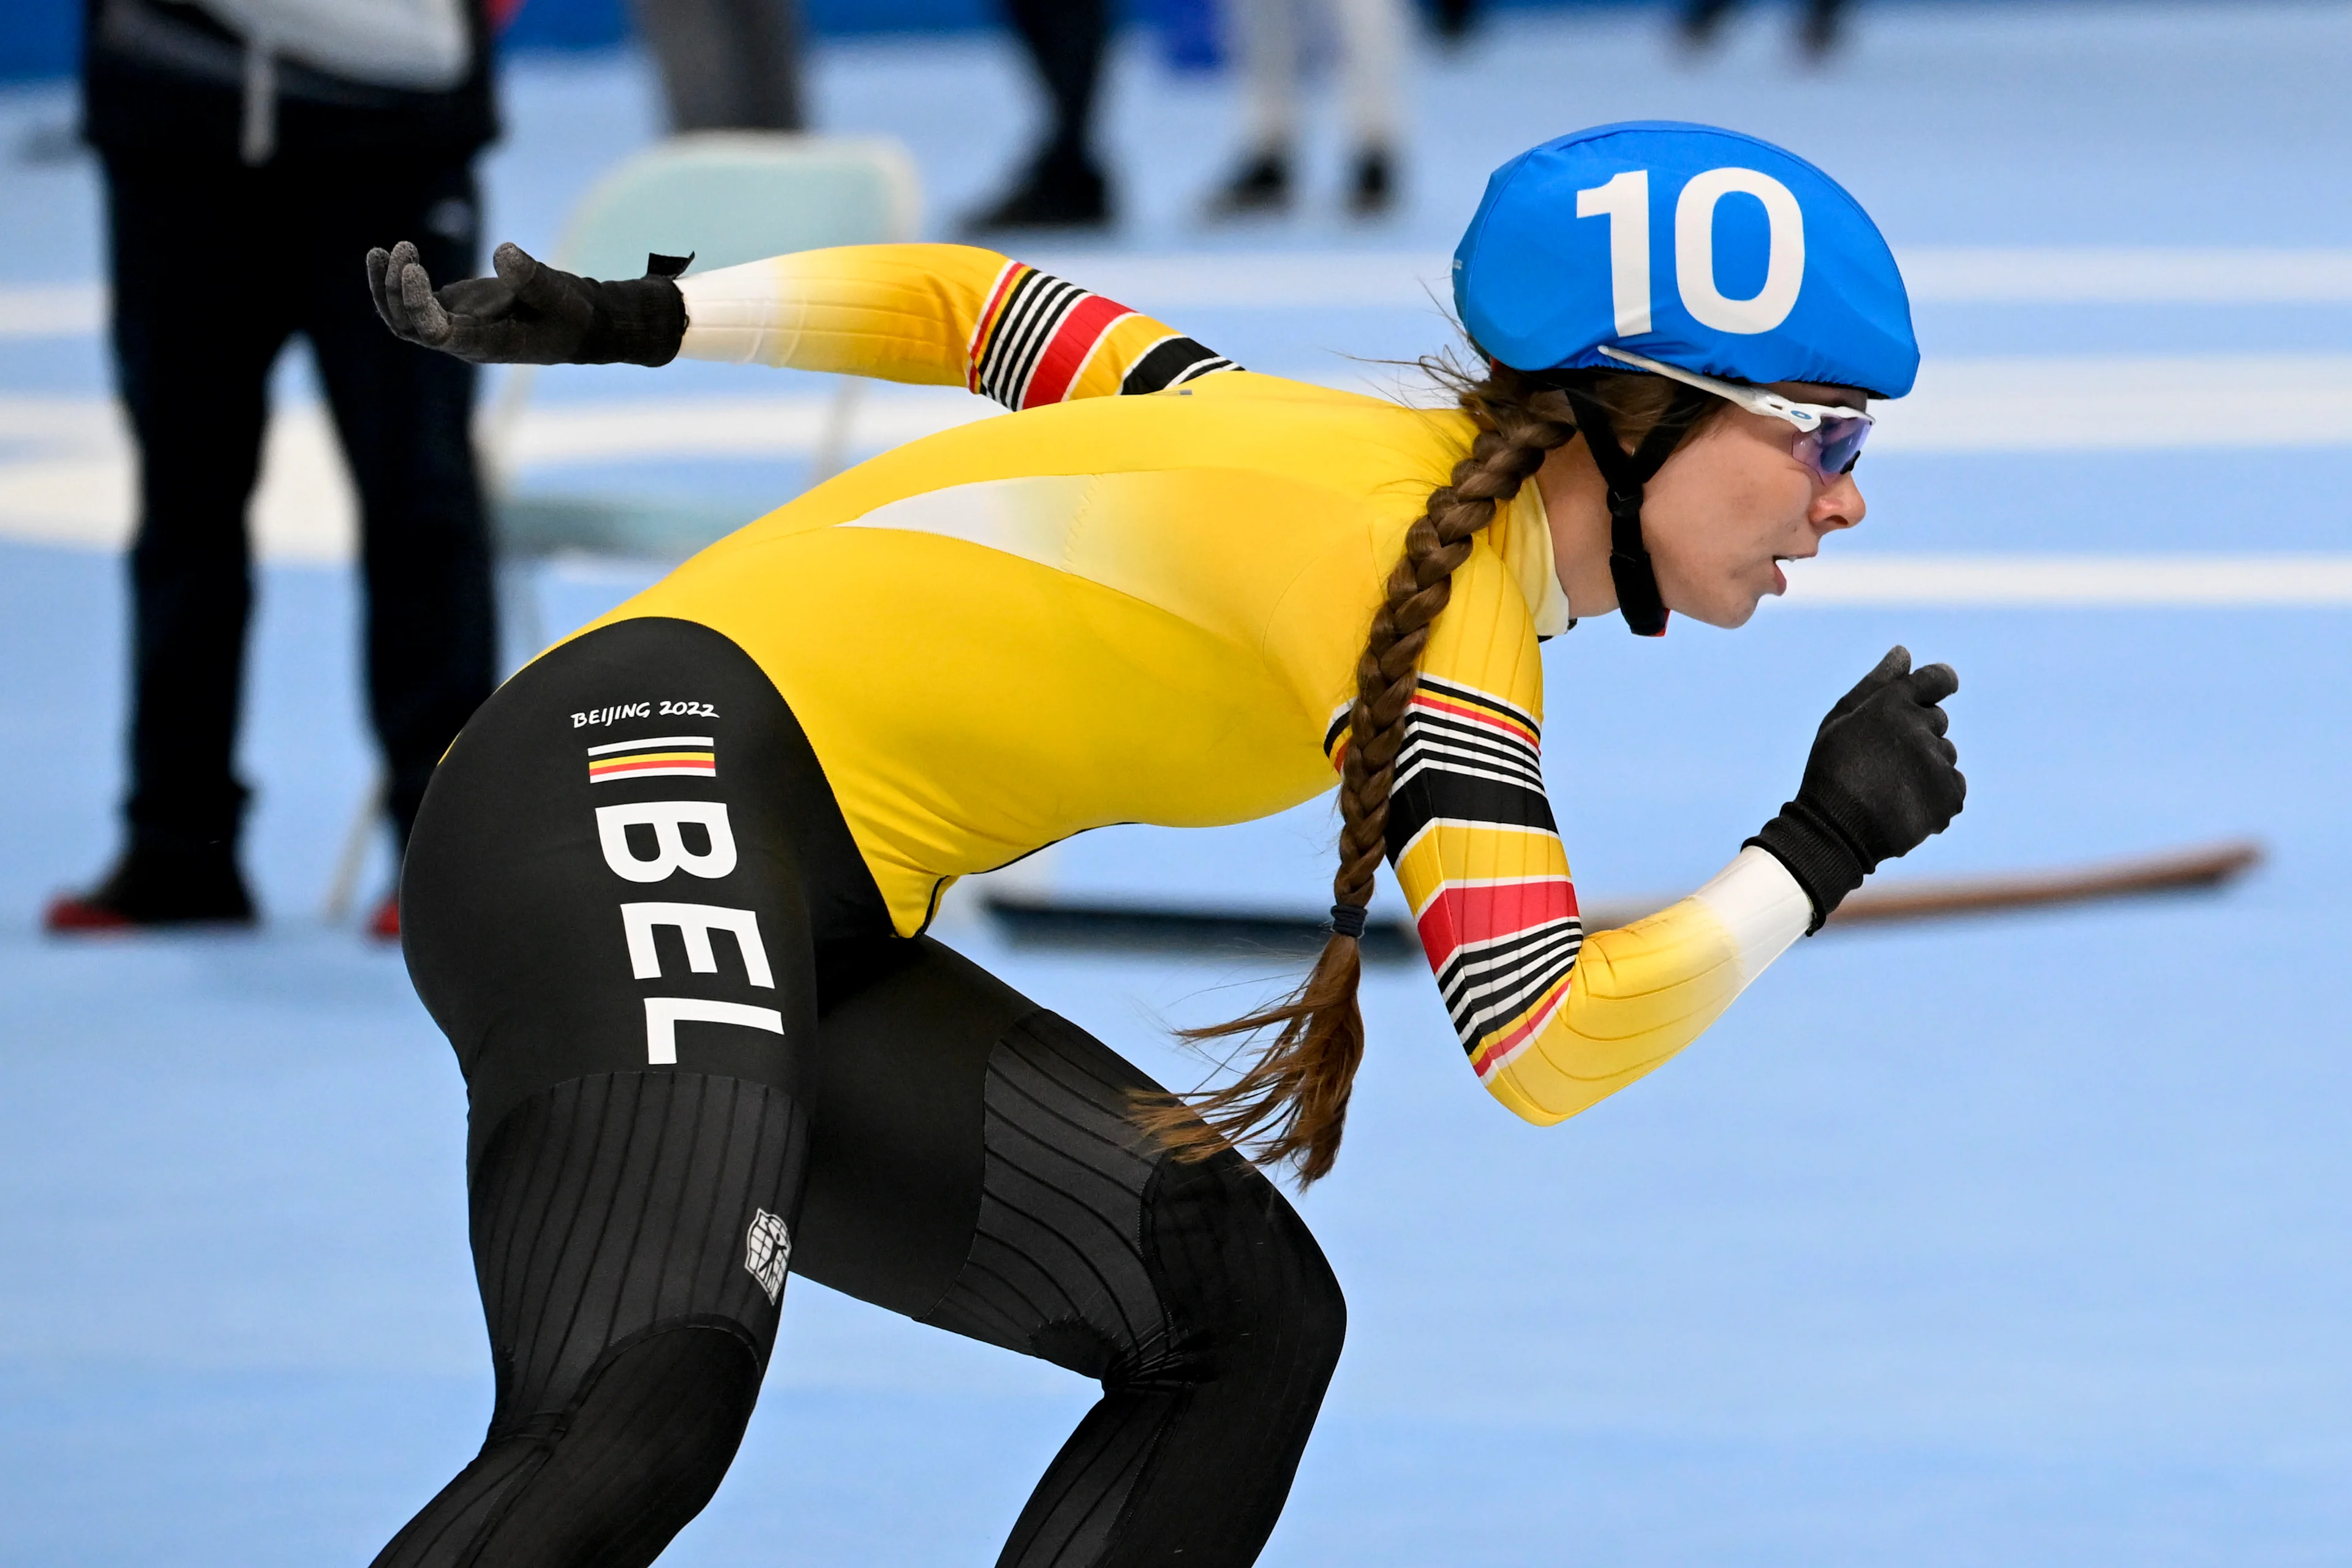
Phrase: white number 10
(1624, 201)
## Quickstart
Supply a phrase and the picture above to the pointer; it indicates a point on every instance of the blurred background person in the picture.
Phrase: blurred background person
(726, 65)
(1818, 30)
(278, 139)
(1063, 185)
(1271, 35)
(1454, 20)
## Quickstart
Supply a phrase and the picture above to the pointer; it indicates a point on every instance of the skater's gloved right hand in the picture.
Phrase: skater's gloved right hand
(530, 313)
(1881, 779)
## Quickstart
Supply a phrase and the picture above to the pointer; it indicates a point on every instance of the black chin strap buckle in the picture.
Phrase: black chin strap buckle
(1638, 599)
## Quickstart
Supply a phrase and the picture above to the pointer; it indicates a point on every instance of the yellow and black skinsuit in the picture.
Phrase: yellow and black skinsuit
(668, 894)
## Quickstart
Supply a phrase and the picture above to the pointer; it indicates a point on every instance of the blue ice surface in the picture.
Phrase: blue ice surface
(2019, 1241)
(2013, 1241)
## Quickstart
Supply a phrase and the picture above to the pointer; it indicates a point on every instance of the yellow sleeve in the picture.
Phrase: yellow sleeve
(941, 315)
(1553, 1020)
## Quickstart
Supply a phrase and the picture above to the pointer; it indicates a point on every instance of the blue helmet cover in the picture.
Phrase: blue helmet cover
(1698, 247)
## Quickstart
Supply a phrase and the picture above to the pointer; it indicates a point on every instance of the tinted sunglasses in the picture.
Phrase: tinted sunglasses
(1830, 439)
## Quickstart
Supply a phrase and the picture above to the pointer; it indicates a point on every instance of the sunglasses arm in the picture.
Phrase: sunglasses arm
(1805, 416)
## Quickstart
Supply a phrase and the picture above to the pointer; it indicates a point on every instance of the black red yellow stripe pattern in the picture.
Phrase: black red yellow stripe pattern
(1172, 362)
(1037, 334)
(663, 756)
(1502, 945)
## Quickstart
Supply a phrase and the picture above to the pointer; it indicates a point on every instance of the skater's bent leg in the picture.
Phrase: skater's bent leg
(610, 1218)
(621, 954)
(1048, 1224)
(1192, 1291)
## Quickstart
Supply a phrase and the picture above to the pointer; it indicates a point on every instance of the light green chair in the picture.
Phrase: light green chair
(725, 197)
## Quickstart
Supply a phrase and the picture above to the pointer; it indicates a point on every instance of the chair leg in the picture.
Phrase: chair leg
(343, 888)
(496, 425)
(832, 452)
(522, 615)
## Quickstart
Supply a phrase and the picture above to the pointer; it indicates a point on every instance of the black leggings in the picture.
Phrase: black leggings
(696, 1056)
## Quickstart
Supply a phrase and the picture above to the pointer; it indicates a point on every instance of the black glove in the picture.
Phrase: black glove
(530, 313)
(1881, 779)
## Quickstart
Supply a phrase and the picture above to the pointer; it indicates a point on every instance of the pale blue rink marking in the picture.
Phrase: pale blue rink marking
(1999, 1243)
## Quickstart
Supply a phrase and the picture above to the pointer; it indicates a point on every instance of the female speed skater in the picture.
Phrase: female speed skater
(668, 890)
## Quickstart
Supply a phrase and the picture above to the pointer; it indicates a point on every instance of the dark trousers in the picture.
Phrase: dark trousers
(215, 266)
(726, 65)
(1819, 27)
(1066, 40)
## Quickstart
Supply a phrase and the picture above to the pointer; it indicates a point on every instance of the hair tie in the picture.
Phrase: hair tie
(1348, 921)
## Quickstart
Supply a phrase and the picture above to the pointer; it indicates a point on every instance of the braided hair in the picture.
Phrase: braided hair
(1289, 1105)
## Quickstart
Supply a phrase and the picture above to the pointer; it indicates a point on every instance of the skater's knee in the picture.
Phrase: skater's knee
(1238, 1266)
(634, 1456)
(1308, 1307)
(604, 1479)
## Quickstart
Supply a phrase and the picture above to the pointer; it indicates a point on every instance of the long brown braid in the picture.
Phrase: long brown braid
(1290, 1104)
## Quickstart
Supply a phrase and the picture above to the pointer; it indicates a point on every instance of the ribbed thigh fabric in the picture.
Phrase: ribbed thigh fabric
(1192, 1292)
(629, 1322)
(697, 1061)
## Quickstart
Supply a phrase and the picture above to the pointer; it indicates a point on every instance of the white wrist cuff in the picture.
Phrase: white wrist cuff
(736, 315)
(1760, 905)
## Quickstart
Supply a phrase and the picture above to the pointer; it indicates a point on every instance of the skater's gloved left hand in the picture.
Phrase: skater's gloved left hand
(532, 314)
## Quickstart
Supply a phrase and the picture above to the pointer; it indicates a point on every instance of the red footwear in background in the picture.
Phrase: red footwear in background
(384, 926)
(83, 912)
(151, 890)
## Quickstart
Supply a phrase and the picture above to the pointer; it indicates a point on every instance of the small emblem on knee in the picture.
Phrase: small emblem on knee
(767, 1252)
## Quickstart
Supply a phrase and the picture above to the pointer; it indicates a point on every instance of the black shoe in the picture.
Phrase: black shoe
(1371, 189)
(1052, 194)
(1818, 36)
(156, 889)
(1259, 188)
(1699, 23)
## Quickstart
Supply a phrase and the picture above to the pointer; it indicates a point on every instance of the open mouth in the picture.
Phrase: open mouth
(1780, 578)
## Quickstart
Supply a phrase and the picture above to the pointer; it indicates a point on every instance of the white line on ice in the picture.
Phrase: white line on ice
(1404, 279)
(2120, 275)
(2067, 275)
(2069, 582)
(2092, 403)
(66, 472)
(52, 310)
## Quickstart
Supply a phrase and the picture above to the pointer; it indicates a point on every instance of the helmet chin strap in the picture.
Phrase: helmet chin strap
(1638, 599)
